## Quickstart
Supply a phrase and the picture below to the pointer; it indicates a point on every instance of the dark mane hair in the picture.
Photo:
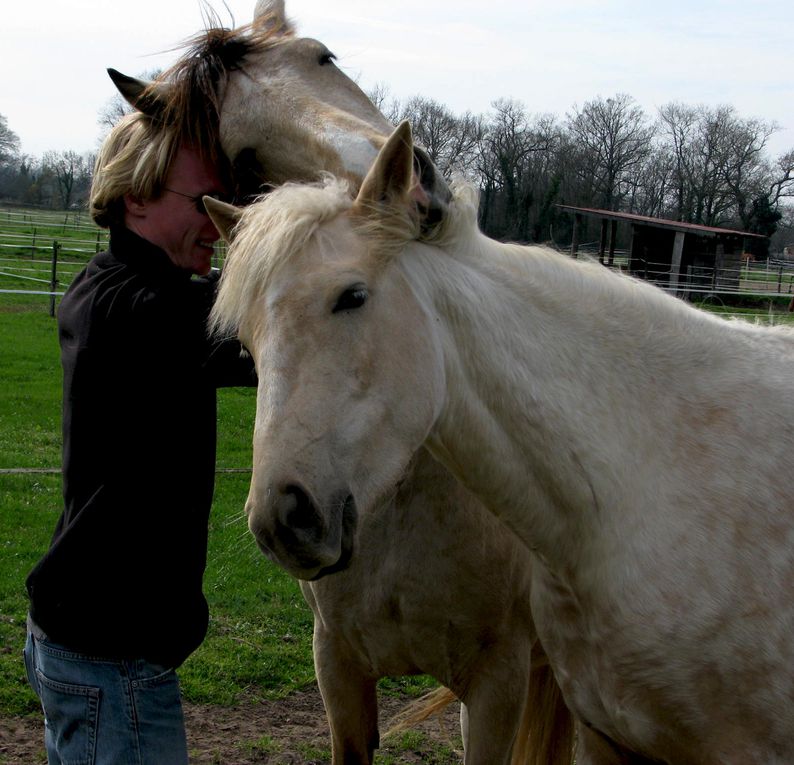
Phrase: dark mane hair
(190, 104)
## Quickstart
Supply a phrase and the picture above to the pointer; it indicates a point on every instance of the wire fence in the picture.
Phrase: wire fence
(41, 252)
(762, 289)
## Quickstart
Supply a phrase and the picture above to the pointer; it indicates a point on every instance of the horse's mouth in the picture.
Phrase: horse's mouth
(312, 550)
(343, 562)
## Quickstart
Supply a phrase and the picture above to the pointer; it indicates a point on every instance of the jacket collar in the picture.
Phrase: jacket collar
(141, 255)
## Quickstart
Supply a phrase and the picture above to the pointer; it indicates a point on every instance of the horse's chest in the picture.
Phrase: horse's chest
(588, 656)
(675, 684)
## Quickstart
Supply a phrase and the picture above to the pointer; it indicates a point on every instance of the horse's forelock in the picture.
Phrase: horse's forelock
(279, 225)
(269, 234)
(191, 105)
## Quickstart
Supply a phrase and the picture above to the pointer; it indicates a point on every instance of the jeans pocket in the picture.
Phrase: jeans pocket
(159, 715)
(158, 696)
(153, 675)
(71, 716)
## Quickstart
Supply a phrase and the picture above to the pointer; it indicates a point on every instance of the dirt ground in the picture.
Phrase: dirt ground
(292, 731)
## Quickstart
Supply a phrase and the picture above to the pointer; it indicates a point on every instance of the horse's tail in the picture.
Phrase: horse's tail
(432, 704)
(546, 735)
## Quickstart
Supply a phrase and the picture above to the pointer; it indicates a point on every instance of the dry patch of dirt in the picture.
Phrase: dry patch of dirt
(292, 731)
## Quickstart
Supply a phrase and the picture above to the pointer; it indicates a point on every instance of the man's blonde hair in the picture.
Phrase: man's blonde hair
(134, 159)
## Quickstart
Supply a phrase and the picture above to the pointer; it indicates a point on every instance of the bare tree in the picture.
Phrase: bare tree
(387, 105)
(612, 138)
(515, 153)
(722, 175)
(449, 140)
(782, 181)
(71, 173)
(652, 184)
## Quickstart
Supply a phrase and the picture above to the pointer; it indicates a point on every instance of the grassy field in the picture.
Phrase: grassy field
(260, 636)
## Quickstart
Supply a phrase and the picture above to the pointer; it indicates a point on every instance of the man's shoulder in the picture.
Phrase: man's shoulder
(108, 290)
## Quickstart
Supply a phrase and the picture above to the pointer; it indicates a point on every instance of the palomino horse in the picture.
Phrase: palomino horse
(453, 615)
(607, 423)
(424, 595)
(277, 105)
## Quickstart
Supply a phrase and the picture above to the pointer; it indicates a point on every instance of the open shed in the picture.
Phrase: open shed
(683, 257)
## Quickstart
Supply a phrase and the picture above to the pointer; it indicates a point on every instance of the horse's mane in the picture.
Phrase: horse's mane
(268, 233)
(281, 223)
(190, 104)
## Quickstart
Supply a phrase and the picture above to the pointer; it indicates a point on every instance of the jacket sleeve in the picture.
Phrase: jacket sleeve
(228, 363)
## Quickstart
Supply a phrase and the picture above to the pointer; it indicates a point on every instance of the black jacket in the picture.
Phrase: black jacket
(123, 575)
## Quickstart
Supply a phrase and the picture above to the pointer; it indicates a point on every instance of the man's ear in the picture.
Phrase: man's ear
(134, 205)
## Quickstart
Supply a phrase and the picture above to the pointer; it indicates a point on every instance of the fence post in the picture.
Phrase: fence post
(54, 278)
(33, 245)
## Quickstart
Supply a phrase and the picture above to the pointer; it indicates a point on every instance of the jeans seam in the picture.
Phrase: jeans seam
(129, 691)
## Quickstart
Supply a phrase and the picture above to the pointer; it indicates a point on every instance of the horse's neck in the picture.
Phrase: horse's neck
(549, 367)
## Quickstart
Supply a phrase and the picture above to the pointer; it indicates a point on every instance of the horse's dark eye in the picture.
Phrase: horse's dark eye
(351, 298)
(326, 57)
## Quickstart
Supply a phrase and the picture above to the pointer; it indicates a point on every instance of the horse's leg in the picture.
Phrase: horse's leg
(495, 699)
(351, 703)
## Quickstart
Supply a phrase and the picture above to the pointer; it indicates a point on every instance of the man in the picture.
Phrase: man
(116, 604)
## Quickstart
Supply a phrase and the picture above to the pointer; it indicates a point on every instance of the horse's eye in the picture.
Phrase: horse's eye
(326, 57)
(352, 298)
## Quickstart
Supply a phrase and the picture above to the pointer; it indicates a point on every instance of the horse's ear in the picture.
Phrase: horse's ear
(272, 13)
(391, 176)
(223, 215)
(146, 97)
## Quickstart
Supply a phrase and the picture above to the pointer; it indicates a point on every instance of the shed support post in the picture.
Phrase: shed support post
(675, 264)
(577, 222)
(613, 235)
(602, 244)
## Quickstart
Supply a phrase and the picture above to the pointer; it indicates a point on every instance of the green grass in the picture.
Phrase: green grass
(259, 640)
(764, 311)
(30, 393)
(433, 753)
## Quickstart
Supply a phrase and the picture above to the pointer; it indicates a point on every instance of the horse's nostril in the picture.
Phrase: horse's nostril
(299, 511)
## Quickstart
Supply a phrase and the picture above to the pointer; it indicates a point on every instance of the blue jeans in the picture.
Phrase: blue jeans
(106, 712)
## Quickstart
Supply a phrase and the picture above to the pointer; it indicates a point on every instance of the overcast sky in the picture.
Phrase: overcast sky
(551, 55)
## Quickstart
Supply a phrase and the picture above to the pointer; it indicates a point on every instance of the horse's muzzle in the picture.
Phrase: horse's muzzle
(307, 538)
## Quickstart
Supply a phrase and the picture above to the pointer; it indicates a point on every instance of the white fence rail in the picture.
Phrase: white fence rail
(34, 250)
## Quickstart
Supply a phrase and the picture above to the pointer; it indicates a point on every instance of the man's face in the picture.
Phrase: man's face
(173, 220)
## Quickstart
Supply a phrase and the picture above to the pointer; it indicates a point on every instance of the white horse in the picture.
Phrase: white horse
(277, 105)
(282, 110)
(642, 449)
(423, 596)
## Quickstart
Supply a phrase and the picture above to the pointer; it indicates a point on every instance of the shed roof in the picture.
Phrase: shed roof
(673, 225)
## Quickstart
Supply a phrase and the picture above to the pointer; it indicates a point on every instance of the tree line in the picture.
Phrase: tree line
(696, 164)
